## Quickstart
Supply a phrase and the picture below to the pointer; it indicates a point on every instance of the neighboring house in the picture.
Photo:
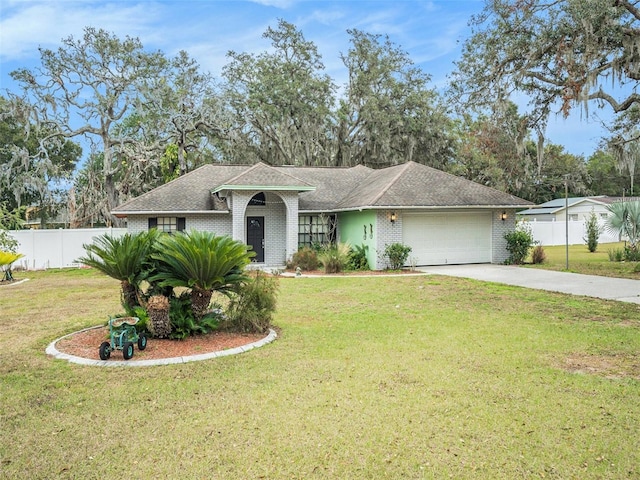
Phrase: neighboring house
(34, 221)
(444, 219)
(579, 209)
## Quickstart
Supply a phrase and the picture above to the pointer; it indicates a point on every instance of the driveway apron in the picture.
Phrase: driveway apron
(619, 289)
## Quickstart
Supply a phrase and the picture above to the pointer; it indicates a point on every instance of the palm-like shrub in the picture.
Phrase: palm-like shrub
(125, 258)
(624, 219)
(202, 262)
(334, 258)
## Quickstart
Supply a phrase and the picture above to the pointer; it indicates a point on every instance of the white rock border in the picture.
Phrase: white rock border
(54, 352)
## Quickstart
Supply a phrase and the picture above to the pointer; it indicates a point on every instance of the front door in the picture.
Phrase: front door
(255, 237)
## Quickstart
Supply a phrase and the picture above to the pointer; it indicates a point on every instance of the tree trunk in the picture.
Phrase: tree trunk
(200, 300)
(158, 311)
(112, 199)
(129, 295)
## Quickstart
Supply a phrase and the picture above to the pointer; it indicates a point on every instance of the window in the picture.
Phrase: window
(167, 224)
(258, 199)
(314, 229)
(573, 217)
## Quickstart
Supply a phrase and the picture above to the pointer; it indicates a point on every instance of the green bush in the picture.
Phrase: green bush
(519, 242)
(306, 258)
(396, 255)
(183, 321)
(7, 242)
(593, 232)
(632, 253)
(615, 254)
(252, 305)
(358, 258)
(334, 258)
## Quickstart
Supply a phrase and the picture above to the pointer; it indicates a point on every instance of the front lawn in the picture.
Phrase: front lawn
(396, 377)
(583, 261)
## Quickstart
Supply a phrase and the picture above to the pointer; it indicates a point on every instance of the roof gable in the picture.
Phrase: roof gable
(264, 177)
(416, 185)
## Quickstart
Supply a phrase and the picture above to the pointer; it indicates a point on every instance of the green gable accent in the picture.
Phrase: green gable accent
(266, 188)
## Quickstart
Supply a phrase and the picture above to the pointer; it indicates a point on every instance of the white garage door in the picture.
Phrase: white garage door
(448, 238)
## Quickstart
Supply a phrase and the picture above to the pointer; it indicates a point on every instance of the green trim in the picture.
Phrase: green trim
(267, 188)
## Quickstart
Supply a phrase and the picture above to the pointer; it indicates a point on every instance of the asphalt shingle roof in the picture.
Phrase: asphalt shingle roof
(263, 175)
(416, 185)
(407, 185)
(191, 192)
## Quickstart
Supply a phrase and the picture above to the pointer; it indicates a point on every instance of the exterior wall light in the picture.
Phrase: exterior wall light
(503, 216)
(393, 217)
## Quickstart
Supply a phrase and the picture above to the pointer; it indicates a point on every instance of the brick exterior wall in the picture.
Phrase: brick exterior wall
(387, 233)
(218, 223)
(499, 228)
(280, 215)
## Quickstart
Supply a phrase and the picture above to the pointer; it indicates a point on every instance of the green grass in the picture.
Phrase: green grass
(583, 261)
(403, 377)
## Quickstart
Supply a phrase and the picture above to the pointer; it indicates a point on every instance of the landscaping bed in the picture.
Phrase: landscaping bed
(85, 344)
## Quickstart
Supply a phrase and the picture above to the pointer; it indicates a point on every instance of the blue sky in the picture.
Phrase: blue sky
(431, 31)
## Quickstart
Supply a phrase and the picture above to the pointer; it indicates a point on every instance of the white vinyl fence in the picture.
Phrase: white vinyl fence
(60, 248)
(554, 233)
(44, 249)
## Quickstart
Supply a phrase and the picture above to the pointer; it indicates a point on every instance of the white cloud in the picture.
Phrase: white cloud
(25, 26)
(283, 4)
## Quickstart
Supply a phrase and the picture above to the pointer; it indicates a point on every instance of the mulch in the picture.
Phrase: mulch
(86, 343)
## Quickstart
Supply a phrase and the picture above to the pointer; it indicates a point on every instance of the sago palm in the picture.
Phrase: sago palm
(124, 258)
(202, 262)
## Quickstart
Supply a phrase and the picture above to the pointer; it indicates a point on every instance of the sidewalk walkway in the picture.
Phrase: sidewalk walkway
(619, 289)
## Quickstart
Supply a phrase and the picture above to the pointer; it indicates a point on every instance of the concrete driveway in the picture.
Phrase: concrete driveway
(619, 289)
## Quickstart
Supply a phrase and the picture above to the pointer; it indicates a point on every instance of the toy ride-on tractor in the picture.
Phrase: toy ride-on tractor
(122, 335)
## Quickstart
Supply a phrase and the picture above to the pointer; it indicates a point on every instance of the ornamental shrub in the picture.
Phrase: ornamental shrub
(306, 258)
(358, 258)
(632, 253)
(593, 230)
(538, 255)
(615, 254)
(251, 307)
(519, 243)
(334, 258)
(396, 255)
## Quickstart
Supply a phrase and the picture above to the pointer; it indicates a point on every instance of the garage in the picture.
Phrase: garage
(448, 238)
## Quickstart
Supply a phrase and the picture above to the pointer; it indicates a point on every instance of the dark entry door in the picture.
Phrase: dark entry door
(255, 237)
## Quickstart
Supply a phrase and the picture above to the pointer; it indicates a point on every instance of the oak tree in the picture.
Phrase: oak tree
(559, 54)
(86, 88)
